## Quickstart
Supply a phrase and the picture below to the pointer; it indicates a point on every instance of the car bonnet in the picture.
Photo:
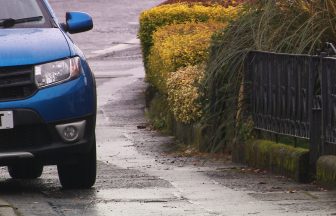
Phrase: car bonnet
(28, 46)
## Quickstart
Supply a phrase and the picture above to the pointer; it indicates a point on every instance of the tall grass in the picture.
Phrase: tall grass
(290, 26)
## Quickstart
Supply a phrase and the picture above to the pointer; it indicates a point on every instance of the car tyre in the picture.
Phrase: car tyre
(82, 174)
(25, 171)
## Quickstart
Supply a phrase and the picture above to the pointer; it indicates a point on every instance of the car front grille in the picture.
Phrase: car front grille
(16, 83)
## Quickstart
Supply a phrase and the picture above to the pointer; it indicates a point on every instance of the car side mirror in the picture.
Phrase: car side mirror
(77, 22)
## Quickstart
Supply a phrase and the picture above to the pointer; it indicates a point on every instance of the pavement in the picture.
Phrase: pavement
(139, 171)
(7, 209)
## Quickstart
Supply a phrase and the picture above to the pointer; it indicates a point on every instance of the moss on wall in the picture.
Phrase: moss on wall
(326, 170)
(279, 158)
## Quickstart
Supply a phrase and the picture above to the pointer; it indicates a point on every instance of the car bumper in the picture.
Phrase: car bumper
(35, 135)
(34, 139)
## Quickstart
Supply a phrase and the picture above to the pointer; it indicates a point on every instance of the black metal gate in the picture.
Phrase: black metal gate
(294, 95)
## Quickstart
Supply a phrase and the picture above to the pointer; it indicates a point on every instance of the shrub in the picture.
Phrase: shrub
(177, 46)
(154, 18)
(298, 26)
(184, 95)
(225, 3)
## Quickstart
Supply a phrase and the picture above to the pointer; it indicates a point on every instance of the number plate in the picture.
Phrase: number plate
(6, 120)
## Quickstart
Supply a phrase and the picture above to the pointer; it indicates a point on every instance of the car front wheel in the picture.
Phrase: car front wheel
(82, 174)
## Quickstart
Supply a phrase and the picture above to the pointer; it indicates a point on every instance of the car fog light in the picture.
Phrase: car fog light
(71, 132)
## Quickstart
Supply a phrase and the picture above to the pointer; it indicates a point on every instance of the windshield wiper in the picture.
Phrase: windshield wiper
(10, 22)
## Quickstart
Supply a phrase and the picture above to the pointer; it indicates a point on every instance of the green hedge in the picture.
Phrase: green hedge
(156, 17)
(184, 93)
(177, 46)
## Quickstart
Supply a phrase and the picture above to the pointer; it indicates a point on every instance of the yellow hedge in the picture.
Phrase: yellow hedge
(184, 95)
(177, 46)
(156, 17)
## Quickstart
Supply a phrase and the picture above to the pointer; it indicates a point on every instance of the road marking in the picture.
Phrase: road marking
(119, 47)
(133, 23)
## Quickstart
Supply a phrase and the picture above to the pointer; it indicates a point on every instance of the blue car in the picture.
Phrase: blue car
(47, 94)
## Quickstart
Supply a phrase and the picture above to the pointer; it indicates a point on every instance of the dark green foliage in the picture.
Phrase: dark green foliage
(267, 26)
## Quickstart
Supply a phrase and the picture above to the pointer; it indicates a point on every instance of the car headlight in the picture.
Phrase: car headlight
(56, 72)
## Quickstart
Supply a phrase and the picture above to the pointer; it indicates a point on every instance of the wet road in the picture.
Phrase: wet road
(134, 176)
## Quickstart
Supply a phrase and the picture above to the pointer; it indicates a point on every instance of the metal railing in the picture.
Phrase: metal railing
(294, 95)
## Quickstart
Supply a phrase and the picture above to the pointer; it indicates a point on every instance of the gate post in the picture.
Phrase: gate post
(325, 110)
(315, 134)
(316, 106)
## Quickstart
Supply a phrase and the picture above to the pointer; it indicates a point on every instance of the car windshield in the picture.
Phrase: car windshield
(21, 14)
